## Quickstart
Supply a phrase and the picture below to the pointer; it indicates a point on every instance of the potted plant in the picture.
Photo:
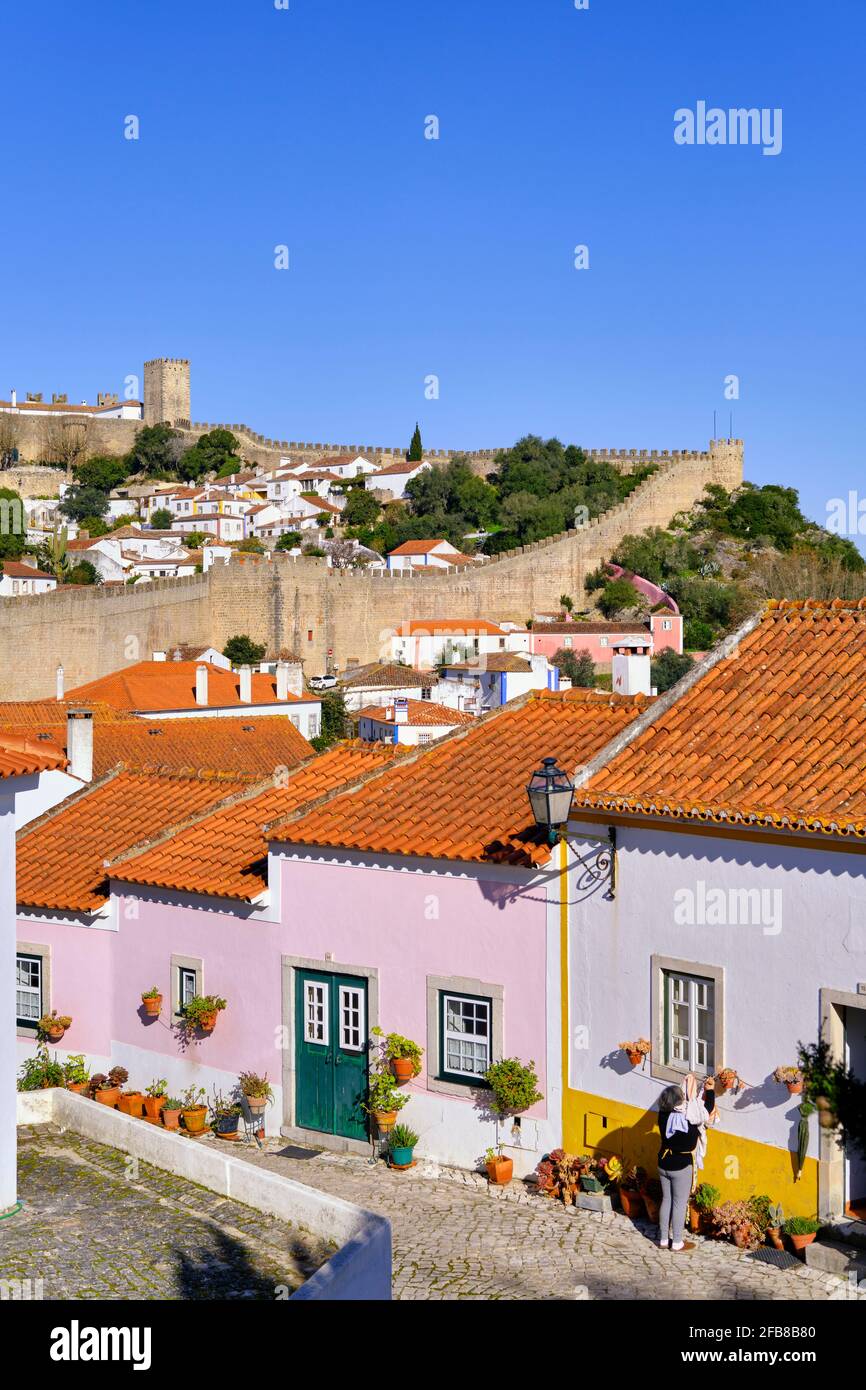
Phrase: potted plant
(801, 1230)
(131, 1103)
(401, 1146)
(155, 1098)
(383, 1101)
(776, 1220)
(792, 1077)
(500, 1170)
(152, 1001)
(737, 1221)
(514, 1085)
(52, 1026)
(630, 1197)
(652, 1198)
(193, 1112)
(703, 1199)
(106, 1089)
(201, 1012)
(726, 1078)
(38, 1072)
(402, 1054)
(256, 1091)
(637, 1051)
(558, 1175)
(75, 1073)
(225, 1115)
(171, 1112)
(590, 1177)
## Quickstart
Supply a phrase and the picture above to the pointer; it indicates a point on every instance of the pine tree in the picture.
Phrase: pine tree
(416, 452)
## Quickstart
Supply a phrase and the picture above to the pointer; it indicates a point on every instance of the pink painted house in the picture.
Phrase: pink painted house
(319, 917)
(603, 639)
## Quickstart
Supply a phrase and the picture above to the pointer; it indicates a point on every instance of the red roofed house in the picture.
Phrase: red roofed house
(409, 721)
(16, 579)
(422, 554)
(427, 642)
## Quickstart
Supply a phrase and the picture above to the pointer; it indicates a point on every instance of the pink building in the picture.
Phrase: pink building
(421, 900)
(602, 639)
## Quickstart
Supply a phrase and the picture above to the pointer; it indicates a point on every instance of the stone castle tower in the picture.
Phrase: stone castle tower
(166, 391)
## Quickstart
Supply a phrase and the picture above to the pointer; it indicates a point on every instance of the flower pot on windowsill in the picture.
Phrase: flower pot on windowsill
(500, 1170)
(195, 1118)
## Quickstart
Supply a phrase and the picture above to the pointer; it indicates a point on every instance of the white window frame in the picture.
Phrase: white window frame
(324, 1004)
(180, 965)
(603, 642)
(358, 1007)
(187, 985)
(664, 1066)
(667, 625)
(38, 989)
(695, 995)
(461, 1036)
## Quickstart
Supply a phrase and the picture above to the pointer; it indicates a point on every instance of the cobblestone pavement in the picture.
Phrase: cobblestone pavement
(454, 1237)
(98, 1224)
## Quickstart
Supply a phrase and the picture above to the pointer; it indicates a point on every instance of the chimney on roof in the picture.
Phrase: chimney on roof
(59, 686)
(201, 684)
(401, 711)
(14, 399)
(157, 656)
(79, 744)
(630, 673)
(290, 679)
(246, 675)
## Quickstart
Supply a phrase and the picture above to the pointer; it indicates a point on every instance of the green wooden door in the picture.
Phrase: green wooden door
(331, 1053)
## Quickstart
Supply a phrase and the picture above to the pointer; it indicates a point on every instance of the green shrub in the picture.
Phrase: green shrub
(514, 1085)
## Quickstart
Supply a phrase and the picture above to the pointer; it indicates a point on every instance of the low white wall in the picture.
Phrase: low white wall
(360, 1269)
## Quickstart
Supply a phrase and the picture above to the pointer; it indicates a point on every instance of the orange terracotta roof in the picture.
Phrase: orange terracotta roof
(47, 714)
(223, 853)
(385, 674)
(256, 746)
(62, 855)
(443, 627)
(493, 661)
(421, 547)
(17, 570)
(771, 736)
(464, 797)
(22, 757)
(320, 502)
(421, 713)
(165, 685)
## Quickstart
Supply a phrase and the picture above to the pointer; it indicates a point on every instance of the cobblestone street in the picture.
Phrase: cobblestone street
(456, 1238)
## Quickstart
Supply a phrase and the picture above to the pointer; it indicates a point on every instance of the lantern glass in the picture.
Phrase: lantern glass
(550, 792)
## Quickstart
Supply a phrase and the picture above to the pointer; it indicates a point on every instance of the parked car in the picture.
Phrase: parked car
(322, 682)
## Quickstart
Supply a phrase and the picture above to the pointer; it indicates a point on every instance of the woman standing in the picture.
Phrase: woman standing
(683, 1116)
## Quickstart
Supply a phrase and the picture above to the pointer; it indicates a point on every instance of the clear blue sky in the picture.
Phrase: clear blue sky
(454, 257)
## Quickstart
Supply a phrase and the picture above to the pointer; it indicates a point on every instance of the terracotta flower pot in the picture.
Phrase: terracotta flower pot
(402, 1068)
(741, 1237)
(152, 1005)
(207, 1022)
(635, 1058)
(171, 1119)
(153, 1105)
(774, 1236)
(694, 1220)
(110, 1096)
(500, 1170)
(631, 1202)
(794, 1087)
(799, 1242)
(653, 1207)
(132, 1103)
(54, 1034)
(385, 1120)
(256, 1104)
(194, 1119)
(79, 1087)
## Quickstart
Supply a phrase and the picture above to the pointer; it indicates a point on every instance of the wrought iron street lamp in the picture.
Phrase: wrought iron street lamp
(551, 792)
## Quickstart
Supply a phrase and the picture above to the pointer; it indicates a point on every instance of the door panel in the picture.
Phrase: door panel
(331, 1053)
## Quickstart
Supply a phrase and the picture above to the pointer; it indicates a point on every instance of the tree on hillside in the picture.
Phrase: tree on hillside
(578, 667)
(415, 452)
(100, 471)
(13, 524)
(288, 540)
(335, 721)
(154, 451)
(361, 508)
(669, 667)
(243, 651)
(618, 595)
(65, 442)
(215, 452)
(84, 502)
(161, 519)
(82, 572)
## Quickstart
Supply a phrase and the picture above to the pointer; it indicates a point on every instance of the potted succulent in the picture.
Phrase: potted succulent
(402, 1054)
(384, 1101)
(630, 1197)
(171, 1112)
(75, 1073)
(703, 1199)
(152, 1001)
(38, 1072)
(401, 1146)
(500, 1170)
(776, 1220)
(256, 1091)
(155, 1098)
(801, 1230)
(193, 1112)
(637, 1051)
(131, 1103)
(737, 1220)
(52, 1026)
(590, 1174)
(201, 1012)
(225, 1115)
(792, 1077)
(726, 1079)
(106, 1088)
(514, 1085)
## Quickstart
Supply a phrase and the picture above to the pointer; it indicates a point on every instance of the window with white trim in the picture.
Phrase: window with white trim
(465, 1036)
(316, 1012)
(603, 642)
(689, 1021)
(666, 624)
(28, 989)
(352, 1031)
(187, 985)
